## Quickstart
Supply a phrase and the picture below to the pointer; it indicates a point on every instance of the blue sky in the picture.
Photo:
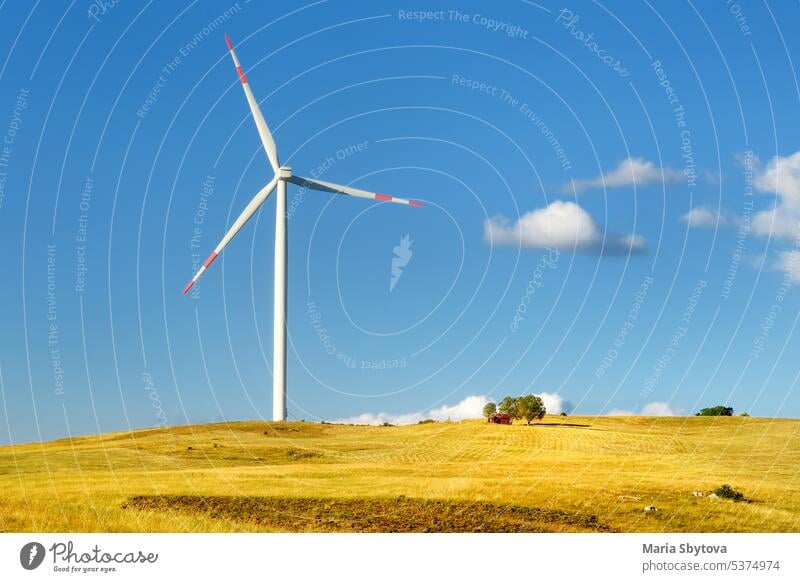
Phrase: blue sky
(613, 195)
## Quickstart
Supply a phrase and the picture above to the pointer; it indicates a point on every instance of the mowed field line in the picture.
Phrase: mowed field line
(603, 468)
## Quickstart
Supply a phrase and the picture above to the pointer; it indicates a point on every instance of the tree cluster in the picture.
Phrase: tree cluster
(529, 407)
(716, 411)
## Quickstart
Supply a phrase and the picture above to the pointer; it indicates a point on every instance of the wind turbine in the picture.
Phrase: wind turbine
(281, 175)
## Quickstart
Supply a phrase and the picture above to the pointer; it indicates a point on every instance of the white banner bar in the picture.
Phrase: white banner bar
(386, 557)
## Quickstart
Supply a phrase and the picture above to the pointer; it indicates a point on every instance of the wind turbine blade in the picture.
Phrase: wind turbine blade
(263, 129)
(348, 190)
(246, 214)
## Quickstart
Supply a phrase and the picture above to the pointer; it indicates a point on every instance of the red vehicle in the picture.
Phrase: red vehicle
(500, 418)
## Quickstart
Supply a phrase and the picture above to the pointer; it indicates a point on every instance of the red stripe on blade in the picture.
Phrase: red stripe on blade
(242, 78)
(189, 286)
(382, 197)
(210, 260)
(415, 203)
(228, 40)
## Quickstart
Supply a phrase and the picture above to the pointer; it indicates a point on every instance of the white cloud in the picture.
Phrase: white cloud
(649, 409)
(755, 260)
(658, 409)
(780, 221)
(561, 225)
(470, 407)
(635, 242)
(780, 176)
(554, 403)
(789, 263)
(629, 172)
(702, 217)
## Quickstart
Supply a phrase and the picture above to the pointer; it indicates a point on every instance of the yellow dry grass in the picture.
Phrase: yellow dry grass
(607, 467)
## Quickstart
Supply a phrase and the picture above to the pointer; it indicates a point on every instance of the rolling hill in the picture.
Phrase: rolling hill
(563, 474)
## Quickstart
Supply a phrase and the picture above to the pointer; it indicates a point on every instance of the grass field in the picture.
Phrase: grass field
(563, 474)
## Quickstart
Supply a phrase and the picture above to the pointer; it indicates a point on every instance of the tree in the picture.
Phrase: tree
(508, 405)
(716, 411)
(489, 409)
(530, 407)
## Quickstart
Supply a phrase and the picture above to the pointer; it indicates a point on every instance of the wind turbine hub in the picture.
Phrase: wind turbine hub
(285, 172)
